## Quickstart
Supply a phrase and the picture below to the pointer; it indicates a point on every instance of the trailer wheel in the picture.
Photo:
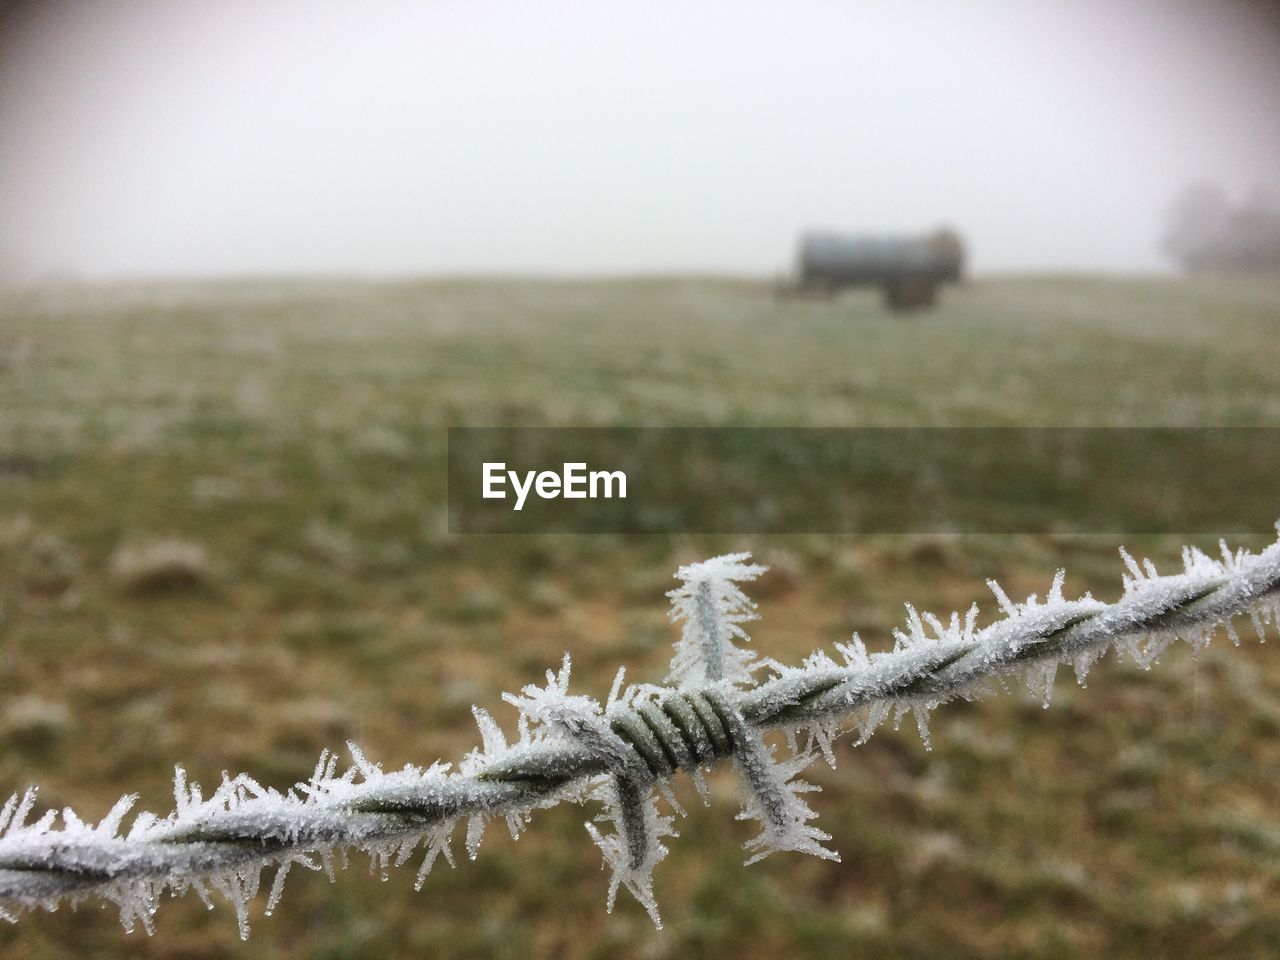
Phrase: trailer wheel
(907, 293)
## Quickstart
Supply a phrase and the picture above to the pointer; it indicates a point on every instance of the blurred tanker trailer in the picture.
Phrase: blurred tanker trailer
(908, 268)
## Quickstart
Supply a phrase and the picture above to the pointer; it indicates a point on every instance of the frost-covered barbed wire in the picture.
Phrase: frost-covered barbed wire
(569, 747)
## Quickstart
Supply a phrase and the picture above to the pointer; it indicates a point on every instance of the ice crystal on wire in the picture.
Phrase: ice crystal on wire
(713, 609)
(1201, 576)
(926, 645)
(552, 707)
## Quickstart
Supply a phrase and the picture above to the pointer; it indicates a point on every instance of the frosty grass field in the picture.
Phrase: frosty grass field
(222, 543)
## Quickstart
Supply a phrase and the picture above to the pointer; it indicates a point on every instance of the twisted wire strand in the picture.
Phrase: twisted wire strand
(640, 740)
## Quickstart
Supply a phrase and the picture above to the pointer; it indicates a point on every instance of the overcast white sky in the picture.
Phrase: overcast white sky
(266, 136)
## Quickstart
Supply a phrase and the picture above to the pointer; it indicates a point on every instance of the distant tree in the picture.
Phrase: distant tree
(1204, 231)
(1195, 223)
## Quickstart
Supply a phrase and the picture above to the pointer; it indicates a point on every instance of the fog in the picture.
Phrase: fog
(221, 137)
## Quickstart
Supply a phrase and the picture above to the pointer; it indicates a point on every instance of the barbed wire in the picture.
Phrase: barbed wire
(570, 747)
